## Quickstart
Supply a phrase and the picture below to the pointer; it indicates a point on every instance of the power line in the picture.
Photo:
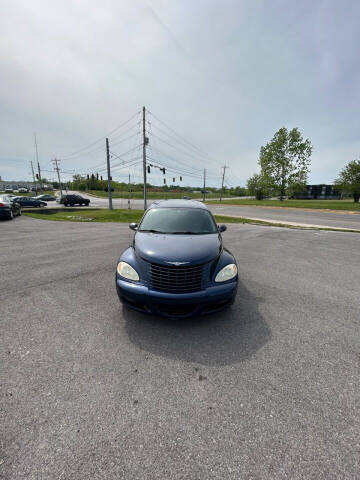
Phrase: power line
(67, 157)
(180, 136)
(176, 160)
(183, 144)
(119, 155)
(183, 152)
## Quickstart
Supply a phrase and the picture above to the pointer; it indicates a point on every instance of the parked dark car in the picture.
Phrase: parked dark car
(8, 208)
(177, 265)
(72, 199)
(29, 202)
(45, 197)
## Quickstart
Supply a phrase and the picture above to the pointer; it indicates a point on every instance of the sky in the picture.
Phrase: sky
(217, 78)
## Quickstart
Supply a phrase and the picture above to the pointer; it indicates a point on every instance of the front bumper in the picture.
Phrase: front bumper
(143, 299)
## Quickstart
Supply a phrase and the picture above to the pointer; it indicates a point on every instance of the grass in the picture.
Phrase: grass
(128, 216)
(348, 205)
(85, 215)
(150, 195)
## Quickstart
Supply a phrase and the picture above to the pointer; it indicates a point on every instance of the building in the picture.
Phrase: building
(318, 192)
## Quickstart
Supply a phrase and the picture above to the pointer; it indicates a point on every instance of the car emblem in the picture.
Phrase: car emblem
(177, 263)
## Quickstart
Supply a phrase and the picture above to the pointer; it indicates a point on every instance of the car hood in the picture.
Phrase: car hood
(192, 249)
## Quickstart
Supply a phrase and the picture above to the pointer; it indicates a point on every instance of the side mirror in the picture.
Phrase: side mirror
(222, 228)
(133, 226)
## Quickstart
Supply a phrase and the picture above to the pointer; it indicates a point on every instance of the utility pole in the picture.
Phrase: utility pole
(204, 185)
(109, 174)
(57, 169)
(145, 140)
(222, 183)
(129, 193)
(33, 174)
(38, 164)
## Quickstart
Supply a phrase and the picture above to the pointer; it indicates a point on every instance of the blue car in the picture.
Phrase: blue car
(177, 265)
(29, 202)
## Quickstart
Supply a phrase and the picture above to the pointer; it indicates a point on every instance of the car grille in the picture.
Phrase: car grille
(174, 279)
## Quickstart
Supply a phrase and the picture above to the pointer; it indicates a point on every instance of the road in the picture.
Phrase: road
(269, 389)
(309, 217)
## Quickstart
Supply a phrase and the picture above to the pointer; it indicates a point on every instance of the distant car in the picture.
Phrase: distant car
(29, 202)
(23, 190)
(9, 190)
(71, 200)
(45, 197)
(8, 208)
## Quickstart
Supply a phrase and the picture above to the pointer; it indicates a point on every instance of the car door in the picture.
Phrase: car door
(15, 206)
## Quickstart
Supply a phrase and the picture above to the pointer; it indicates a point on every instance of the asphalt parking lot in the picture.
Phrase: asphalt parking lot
(269, 389)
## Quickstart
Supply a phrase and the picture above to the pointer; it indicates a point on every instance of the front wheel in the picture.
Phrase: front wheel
(11, 215)
(19, 212)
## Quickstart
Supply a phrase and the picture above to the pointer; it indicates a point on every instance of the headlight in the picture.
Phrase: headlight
(127, 271)
(226, 273)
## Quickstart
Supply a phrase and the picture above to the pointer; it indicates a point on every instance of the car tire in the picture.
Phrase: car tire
(19, 213)
(11, 216)
(71, 204)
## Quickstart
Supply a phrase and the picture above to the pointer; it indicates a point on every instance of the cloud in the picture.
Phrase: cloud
(225, 75)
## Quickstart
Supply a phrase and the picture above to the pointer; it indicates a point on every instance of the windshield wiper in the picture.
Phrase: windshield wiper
(151, 231)
(187, 233)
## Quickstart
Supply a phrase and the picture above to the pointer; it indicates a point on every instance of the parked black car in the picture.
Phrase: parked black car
(45, 197)
(29, 202)
(8, 208)
(71, 200)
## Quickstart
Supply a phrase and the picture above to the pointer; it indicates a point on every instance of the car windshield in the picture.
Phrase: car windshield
(178, 220)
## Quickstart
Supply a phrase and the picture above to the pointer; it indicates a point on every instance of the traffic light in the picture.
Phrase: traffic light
(101, 177)
(163, 170)
(87, 176)
(180, 179)
(37, 176)
(148, 169)
(173, 179)
(164, 181)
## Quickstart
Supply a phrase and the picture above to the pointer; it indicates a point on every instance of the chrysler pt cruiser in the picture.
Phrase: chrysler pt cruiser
(177, 265)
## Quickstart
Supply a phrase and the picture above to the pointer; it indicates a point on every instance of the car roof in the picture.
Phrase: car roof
(178, 204)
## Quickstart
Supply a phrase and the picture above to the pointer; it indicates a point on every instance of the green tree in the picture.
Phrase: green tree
(349, 179)
(285, 160)
(257, 185)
